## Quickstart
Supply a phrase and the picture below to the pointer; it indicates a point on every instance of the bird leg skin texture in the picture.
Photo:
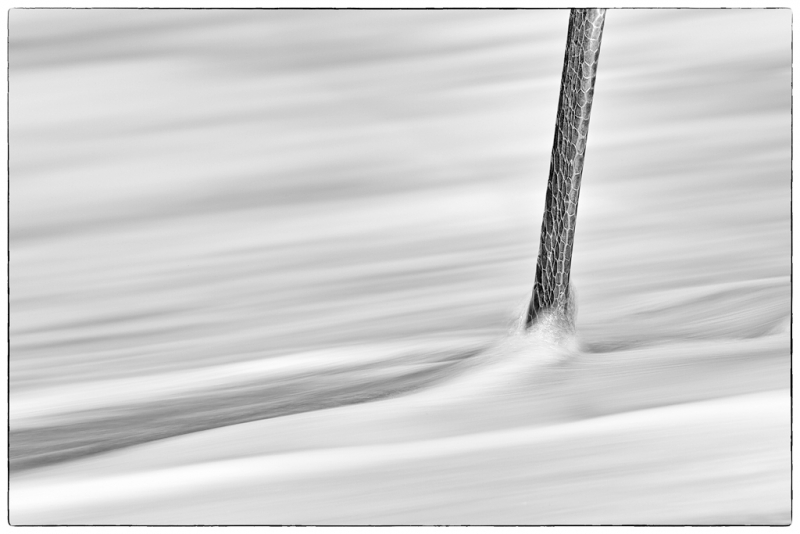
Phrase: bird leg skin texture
(551, 292)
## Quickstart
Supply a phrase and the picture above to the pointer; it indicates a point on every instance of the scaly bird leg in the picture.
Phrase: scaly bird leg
(551, 293)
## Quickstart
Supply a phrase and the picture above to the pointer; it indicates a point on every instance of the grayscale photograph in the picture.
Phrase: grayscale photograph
(405, 267)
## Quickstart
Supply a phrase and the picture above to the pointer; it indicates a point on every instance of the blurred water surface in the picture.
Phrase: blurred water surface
(222, 216)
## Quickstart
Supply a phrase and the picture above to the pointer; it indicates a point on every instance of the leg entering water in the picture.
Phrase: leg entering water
(551, 291)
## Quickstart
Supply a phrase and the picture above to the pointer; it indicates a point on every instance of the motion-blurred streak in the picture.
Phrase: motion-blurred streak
(269, 267)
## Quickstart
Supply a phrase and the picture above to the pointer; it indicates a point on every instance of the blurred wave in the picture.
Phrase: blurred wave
(219, 217)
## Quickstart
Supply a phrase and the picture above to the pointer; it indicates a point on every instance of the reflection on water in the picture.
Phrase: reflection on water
(221, 217)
